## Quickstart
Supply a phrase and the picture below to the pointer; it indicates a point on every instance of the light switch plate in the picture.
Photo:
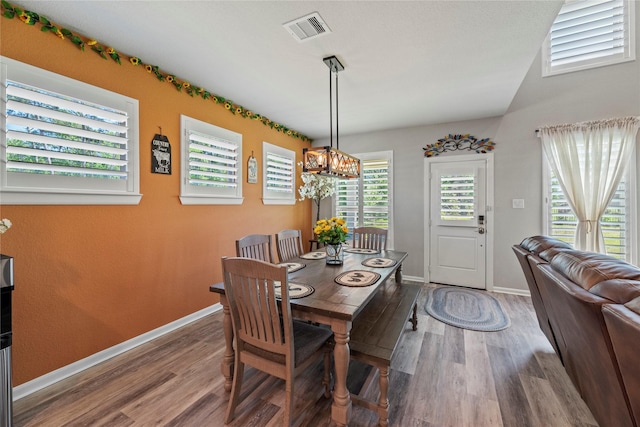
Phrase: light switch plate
(517, 203)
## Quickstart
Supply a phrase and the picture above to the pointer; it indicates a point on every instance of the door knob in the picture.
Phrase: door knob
(480, 230)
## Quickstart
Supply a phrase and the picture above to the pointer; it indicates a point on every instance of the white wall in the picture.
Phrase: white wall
(600, 93)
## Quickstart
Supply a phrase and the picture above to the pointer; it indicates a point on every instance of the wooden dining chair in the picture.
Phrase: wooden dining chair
(289, 244)
(256, 246)
(370, 238)
(266, 336)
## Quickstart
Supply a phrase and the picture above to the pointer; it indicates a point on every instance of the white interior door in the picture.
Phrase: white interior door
(457, 223)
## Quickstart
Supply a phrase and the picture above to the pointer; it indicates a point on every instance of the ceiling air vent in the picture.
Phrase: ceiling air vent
(307, 27)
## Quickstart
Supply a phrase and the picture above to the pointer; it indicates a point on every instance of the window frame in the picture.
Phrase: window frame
(631, 200)
(270, 197)
(195, 195)
(31, 189)
(377, 155)
(629, 53)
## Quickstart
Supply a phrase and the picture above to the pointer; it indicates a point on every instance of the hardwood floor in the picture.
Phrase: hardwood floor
(442, 377)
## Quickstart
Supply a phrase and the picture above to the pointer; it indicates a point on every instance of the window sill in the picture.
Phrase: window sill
(267, 201)
(208, 200)
(51, 198)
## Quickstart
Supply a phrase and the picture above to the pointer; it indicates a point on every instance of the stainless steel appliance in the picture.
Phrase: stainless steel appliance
(6, 288)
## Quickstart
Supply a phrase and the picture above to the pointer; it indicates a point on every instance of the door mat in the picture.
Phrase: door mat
(467, 309)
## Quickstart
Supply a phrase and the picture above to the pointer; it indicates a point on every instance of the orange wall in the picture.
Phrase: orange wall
(90, 277)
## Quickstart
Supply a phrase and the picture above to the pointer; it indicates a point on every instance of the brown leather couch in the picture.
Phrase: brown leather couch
(531, 247)
(575, 289)
(623, 324)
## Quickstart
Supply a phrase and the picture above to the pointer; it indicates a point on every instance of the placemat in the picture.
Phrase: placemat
(293, 266)
(296, 290)
(361, 251)
(379, 262)
(314, 255)
(357, 278)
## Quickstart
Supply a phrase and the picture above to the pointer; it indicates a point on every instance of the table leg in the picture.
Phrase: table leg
(226, 367)
(341, 407)
(399, 274)
(383, 400)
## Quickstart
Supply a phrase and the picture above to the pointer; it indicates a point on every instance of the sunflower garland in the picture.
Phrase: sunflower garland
(31, 18)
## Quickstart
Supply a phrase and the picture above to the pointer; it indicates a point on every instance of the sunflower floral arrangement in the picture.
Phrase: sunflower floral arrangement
(316, 188)
(331, 231)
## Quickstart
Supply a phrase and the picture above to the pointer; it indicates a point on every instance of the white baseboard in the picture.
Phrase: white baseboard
(66, 371)
(412, 278)
(512, 291)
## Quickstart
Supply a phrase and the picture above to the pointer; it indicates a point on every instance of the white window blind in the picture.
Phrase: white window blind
(213, 162)
(278, 175)
(59, 148)
(211, 166)
(457, 197)
(54, 135)
(347, 199)
(590, 33)
(367, 201)
(615, 220)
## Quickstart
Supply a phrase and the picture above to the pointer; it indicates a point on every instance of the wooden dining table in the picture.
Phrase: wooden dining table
(330, 304)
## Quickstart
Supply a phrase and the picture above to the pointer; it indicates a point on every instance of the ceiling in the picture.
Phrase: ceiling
(407, 63)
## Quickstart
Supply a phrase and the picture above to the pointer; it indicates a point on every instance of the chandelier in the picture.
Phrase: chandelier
(329, 161)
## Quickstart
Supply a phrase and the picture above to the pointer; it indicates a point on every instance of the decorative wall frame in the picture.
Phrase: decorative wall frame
(252, 170)
(460, 142)
(160, 154)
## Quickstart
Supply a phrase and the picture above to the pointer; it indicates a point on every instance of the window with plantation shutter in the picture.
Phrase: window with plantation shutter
(278, 177)
(66, 142)
(211, 172)
(617, 222)
(588, 34)
(457, 197)
(367, 201)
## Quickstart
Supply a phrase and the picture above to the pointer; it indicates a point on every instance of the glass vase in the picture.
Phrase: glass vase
(335, 254)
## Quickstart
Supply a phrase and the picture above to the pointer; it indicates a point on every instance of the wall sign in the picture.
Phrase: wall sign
(160, 155)
(252, 170)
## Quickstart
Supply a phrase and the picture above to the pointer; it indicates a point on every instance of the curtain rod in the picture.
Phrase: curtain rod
(538, 130)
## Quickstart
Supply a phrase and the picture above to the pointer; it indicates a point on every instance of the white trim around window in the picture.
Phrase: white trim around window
(211, 160)
(588, 34)
(65, 142)
(367, 201)
(278, 175)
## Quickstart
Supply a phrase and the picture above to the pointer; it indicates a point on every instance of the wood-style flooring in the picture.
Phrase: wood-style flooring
(443, 376)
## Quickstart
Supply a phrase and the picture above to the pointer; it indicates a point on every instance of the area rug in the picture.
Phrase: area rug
(467, 309)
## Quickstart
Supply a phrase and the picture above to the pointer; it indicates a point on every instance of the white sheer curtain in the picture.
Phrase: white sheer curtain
(589, 159)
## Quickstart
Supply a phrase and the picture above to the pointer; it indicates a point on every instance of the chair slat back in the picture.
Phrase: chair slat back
(370, 238)
(255, 311)
(289, 244)
(256, 246)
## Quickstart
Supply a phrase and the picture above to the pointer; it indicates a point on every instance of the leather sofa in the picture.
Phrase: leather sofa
(531, 247)
(623, 324)
(575, 292)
